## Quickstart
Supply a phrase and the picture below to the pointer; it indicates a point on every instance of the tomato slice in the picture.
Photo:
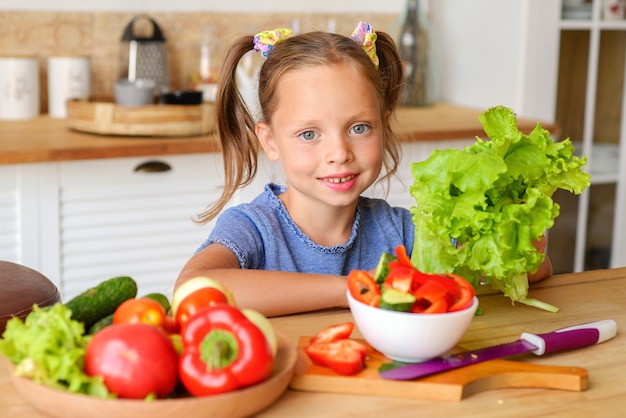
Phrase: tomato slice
(333, 333)
(345, 362)
(363, 287)
(318, 352)
(345, 356)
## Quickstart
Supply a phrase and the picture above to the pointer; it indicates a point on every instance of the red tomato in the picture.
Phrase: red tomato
(140, 311)
(135, 360)
(198, 299)
(171, 325)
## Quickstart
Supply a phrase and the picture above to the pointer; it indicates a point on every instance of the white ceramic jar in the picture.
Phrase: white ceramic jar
(19, 88)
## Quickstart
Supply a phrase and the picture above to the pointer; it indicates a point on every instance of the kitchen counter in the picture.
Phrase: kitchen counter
(47, 139)
(581, 297)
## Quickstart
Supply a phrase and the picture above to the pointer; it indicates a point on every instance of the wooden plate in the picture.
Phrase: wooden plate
(107, 118)
(244, 402)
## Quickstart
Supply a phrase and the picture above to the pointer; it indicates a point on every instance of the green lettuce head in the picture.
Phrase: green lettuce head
(478, 210)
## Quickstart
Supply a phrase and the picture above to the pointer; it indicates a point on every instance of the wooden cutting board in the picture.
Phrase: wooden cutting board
(453, 385)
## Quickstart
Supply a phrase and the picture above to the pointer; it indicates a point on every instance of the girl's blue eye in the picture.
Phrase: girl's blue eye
(360, 129)
(308, 135)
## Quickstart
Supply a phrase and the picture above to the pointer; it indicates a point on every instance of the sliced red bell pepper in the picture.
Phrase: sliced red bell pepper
(333, 333)
(431, 297)
(403, 257)
(363, 287)
(345, 356)
(431, 290)
(426, 307)
(466, 296)
(454, 292)
(222, 351)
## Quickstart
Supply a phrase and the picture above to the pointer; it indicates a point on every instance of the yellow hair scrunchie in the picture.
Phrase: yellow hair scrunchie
(264, 41)
(365, 35)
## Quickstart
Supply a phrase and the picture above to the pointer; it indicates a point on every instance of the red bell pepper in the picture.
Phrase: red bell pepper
(363, 287)
(403, 257)
(431, 297)
(466, 296)
(424, 306)
(222, 351)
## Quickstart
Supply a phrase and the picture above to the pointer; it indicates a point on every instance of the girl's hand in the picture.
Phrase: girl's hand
(545, 269)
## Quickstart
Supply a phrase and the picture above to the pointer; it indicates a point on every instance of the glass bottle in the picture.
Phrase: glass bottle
(413, 49)
(206, 72)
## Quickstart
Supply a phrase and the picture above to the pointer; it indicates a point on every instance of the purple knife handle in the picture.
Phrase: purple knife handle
(575, 336)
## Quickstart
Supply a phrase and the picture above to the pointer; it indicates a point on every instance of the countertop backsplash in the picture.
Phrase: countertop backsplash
(98, 35)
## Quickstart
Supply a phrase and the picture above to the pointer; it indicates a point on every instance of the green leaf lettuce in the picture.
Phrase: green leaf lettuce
(493, 199)
(49, 348)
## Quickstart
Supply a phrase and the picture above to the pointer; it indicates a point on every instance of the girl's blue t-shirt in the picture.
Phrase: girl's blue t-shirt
(263, 236)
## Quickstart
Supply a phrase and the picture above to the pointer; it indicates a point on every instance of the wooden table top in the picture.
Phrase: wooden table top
(581, 297)
(47, 139)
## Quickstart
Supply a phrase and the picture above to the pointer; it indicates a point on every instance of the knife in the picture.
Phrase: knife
(576, 336)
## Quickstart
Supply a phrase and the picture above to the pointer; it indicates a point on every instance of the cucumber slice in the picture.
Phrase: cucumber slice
(382, 268)
(395, 300)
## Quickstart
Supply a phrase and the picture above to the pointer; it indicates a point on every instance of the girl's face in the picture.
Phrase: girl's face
(328, 133)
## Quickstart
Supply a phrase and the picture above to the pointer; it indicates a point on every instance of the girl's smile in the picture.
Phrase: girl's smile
(341, 183)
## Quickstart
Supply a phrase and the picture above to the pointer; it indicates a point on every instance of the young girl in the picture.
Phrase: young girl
(326, 103)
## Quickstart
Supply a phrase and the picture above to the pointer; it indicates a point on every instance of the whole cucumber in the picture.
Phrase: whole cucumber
(161, 298)
(101, 324)
(101, 300)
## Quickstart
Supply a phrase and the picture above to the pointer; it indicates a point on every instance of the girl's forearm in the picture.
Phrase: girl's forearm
(275, 293)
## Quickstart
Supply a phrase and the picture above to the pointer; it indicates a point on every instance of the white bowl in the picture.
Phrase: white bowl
(138, 92)
(410, 337)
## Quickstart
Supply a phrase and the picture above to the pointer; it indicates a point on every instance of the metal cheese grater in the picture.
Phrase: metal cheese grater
(145, 57)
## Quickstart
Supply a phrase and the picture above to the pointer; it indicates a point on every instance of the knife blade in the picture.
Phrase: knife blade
(567, 338)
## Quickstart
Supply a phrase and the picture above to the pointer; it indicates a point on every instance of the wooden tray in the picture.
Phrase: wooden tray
(453, 385)
(108, 118)
(240, 403)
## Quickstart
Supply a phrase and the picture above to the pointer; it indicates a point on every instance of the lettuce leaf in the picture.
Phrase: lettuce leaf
(479, 209)
(49, 348)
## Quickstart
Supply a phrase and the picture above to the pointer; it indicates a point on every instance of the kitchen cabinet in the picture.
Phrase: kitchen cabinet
(590, 232)
(21, 224)
(130, 216)
(9, 218)
(80, 222)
